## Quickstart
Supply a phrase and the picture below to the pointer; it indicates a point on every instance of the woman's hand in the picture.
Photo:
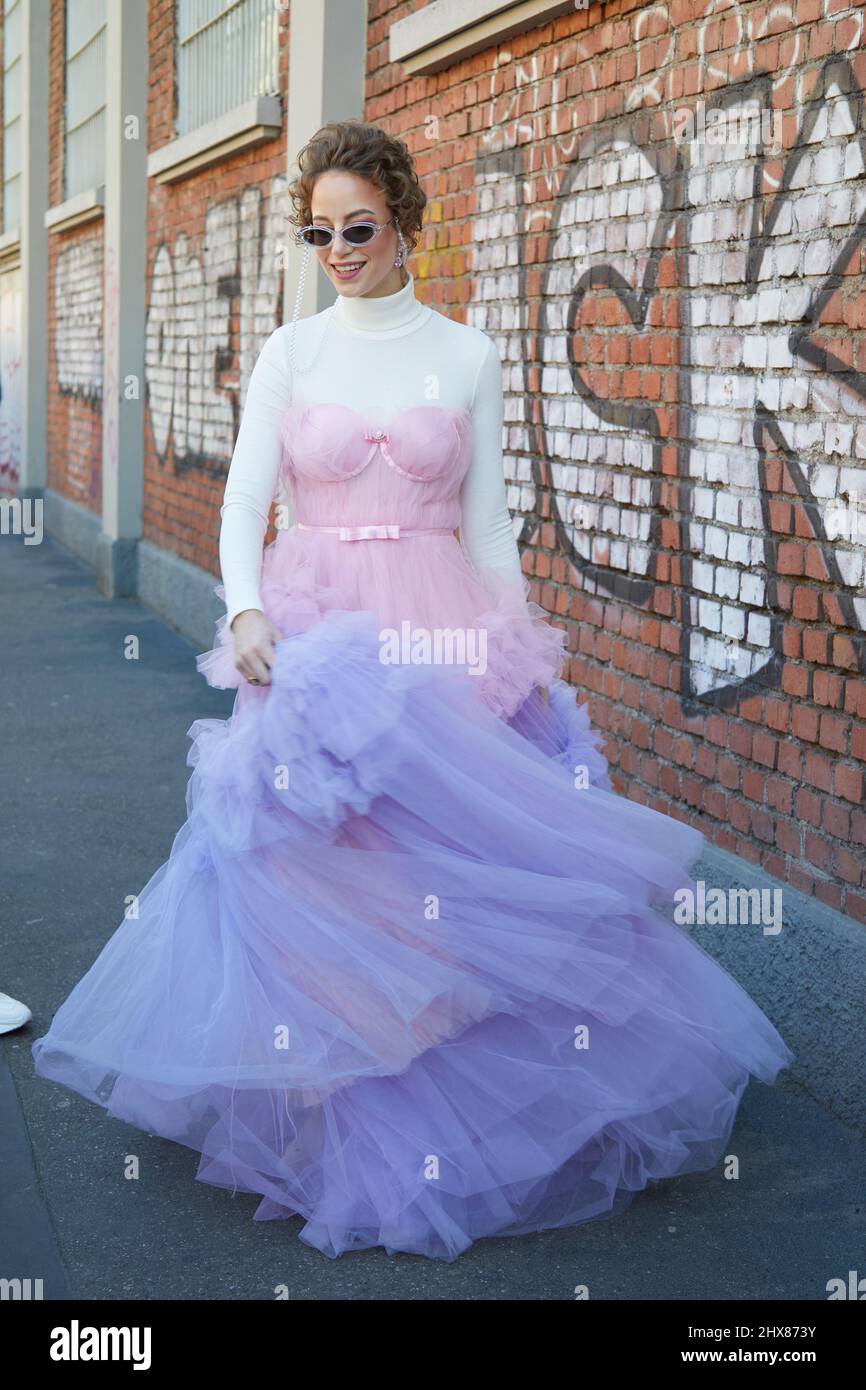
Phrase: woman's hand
(545, 694)
(254, 636)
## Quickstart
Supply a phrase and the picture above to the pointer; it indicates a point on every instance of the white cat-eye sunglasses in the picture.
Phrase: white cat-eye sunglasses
(356, 234)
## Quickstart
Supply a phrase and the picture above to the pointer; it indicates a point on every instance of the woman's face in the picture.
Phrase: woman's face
(340, 198)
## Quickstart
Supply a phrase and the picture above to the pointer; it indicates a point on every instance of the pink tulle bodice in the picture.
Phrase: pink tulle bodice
(377, 504)
(406, 471)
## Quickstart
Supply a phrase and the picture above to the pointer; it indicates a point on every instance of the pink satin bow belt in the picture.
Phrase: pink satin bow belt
(386, 532)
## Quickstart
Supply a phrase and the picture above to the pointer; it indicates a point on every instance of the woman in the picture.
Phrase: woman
(402, 972)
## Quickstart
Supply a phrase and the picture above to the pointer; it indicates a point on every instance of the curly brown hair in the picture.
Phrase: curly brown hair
(370, 152)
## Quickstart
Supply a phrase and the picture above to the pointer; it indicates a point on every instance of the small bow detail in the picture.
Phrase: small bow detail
(370, 533)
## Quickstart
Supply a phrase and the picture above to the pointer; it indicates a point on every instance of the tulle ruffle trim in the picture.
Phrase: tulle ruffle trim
(294, 604)
(301, 747)
(523, 651)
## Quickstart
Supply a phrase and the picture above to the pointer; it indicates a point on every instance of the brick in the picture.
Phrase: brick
(849, 867)
(836, 820)
(819, 851)
(833, 733)
(848, 783)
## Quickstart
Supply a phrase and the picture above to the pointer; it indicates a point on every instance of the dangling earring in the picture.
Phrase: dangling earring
(402, 253)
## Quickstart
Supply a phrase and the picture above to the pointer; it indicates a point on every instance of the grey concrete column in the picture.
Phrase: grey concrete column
(124, 307)
(327, 59)
(35, 32)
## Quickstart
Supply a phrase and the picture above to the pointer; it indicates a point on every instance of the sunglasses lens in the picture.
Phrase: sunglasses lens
(317, 236)
(359, 234)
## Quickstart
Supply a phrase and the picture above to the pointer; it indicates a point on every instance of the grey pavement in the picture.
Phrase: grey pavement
(93, 780)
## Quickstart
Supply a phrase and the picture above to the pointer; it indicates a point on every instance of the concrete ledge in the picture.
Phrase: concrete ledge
(444, 32)
(80, 530)
(248, 125)
(83, 207)
(180, 593)
(74, 526)
(117, 567)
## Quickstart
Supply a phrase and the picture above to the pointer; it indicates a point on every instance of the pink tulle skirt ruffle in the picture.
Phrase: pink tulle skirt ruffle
(429, 586)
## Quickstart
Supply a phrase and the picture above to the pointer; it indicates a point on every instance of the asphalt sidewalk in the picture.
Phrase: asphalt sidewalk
(94, 775)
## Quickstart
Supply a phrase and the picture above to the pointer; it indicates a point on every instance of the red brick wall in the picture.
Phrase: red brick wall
(75, 270)
(681, 328)
(214, 292)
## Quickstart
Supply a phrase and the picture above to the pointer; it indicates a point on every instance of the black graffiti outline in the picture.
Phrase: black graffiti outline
(636, 302)
(801, 343)
(836, 70)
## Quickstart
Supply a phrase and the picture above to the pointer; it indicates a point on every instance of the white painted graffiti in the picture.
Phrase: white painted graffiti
(196, 383)
(762, 251)
(78, 314)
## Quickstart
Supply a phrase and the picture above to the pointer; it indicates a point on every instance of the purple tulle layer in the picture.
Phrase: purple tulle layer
(405, 971)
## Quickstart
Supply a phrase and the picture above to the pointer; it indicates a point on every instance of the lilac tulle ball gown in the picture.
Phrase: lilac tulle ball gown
(405, 972)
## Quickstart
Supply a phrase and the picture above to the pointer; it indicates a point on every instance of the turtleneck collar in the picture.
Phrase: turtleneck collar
(385, 315)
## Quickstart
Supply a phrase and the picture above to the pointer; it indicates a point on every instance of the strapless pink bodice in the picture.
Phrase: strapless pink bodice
(345, 469)
(377, 503)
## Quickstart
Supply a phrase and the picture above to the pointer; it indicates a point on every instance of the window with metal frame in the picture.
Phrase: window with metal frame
(227, 53)
(12, 13)
(86, 38)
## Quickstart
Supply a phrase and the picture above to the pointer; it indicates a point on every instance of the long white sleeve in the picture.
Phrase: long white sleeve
(252, 477)
(485, 527)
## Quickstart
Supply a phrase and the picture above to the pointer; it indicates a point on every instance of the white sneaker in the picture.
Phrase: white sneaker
(12, 1014)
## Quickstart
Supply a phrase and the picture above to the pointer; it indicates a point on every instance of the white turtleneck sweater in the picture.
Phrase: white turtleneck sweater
(378, 355)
